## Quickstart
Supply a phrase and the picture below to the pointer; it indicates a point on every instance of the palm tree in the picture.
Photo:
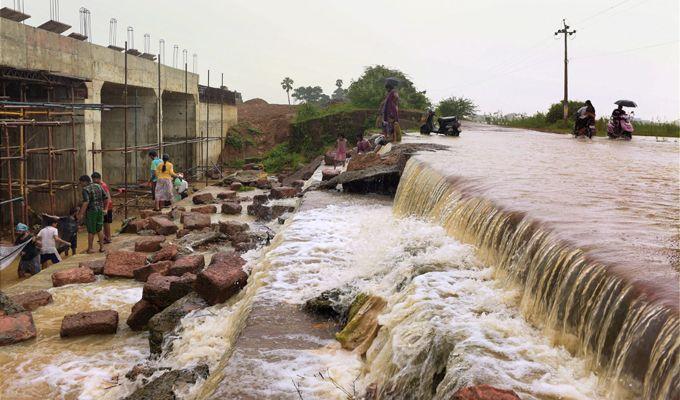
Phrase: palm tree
(287, 85)
(338, 83)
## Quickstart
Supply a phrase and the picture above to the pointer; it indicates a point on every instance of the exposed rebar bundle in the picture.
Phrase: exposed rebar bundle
(18, 5)
(85, 23)
(113, 27)
(130, 37)
(161, 51)
(147, 43)
(195, 63)
(54, 10)
(175, 55)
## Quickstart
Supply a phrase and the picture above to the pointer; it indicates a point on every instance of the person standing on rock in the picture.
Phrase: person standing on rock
(92, 211)
(390, 111)
(340, 151)
(108, 206)
(164, 174)
(152, 180)
(29, 262)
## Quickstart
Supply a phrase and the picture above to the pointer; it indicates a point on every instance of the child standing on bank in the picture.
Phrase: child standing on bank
(340, 151)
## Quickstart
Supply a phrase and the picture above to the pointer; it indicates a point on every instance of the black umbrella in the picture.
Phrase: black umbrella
(394, 82)
(625, 103)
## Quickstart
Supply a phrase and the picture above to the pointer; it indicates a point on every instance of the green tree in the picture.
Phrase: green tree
(556, 111)
(369, 90)
(460, 107)
(287, 85)
(311, 94)
(339, 93)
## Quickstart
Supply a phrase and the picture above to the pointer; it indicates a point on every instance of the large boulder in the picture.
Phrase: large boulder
(484, 392)
(165, 322)
(187, 264)
(170, 385)
(236, 186)
(203, 198)
(232, 208)
(283, 192)
(304, 173)
(223, 279)
(122, 263)
(168, 252)
(162, 225)
(148, 213)
(246, 178)
(72, 275)
(89, 323)
(9, 306)
(142, 273)
(207, 209)
(97, 266)
(329, 173)
(260, 199)
(194, 221)
(149, 243)
(141, 313)
(231, 228)
(16, 328)
(163, 290)
(32, 300)
(362, 326)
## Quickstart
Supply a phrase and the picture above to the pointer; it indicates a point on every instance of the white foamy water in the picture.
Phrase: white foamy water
(446, 316)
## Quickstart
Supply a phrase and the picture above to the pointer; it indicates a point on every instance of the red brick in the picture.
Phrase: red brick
(142, 273)
(32, 300)
(484, 392)
(72, 275)
(283, 192)
(141, 313)
(148, 244)
(122, 263)
(16, 328)
(207, 209)
(162, 225)
(97, 266)
(217, 283)
(191, 263)
(89, 323)
(231, 208)
(193, 221)
(203, 198)
(168, 252)
(229, 194)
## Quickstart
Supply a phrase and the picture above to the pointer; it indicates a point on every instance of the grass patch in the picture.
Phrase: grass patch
(307, 111)
(246, 188)
(281, 157)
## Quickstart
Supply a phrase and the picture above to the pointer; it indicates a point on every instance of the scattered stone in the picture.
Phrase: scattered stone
(89, 323)
(298, 184)
(328, 305)
(260, 211)
(168, 252)
(141, 313)
(231, 228)
(170, 385)
(32, 300)
(278, 210)
(182, 232)
(260, 199)
(9, 306)
(193, 221)
(236, 186)
(263, 183)
(187, 264)
(484, 392)
(149, 244)
(362, 326)
(162, 226)
(231, 208)
(203, 198)
(329, 173)
(329, 158)
(148, 213)
(136, 225)
(97, 266)
(166, 321)
(217, 283)
(121, 263)
(303, 173)
(207, 209)
(283, 192)
(159, 290)
(147, 232)
(144, 370)
(142, 274)
(72, 275)
(16, 328)
(227, 195)
(246, 178)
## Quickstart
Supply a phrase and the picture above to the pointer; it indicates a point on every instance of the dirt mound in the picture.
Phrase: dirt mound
(261, 127)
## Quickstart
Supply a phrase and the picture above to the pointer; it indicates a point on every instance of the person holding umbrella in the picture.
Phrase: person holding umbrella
(619, 124)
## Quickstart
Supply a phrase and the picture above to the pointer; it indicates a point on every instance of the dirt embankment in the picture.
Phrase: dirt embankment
(261, 126)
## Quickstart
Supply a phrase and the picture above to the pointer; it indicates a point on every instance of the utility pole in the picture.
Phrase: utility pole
(566, 32)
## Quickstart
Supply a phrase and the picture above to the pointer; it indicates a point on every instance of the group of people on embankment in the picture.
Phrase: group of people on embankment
(387, 120)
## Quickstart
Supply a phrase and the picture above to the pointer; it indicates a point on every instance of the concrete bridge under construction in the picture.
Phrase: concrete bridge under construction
(69, 107)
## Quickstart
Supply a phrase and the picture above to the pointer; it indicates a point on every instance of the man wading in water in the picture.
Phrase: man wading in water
(92, 210)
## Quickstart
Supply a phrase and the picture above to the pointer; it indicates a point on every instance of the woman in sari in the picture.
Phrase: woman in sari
(165, 174)
(390, 111)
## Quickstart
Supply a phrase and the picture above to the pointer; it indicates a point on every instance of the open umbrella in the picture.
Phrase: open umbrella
(625, 103)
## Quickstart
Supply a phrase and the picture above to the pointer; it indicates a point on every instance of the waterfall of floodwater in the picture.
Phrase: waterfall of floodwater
(578, 301)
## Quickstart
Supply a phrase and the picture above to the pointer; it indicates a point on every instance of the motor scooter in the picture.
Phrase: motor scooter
(449, 126)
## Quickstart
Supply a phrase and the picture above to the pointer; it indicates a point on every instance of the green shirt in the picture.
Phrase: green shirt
(154, 164)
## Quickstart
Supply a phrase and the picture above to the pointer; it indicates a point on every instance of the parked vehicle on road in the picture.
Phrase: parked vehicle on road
(449, 126)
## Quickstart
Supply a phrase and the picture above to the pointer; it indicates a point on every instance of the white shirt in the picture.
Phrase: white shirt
(183, 186)
(48, 244)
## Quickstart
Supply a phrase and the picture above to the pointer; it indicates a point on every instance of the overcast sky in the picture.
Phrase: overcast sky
(500, 53)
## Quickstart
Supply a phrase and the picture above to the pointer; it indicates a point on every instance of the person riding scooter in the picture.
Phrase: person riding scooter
(619, 125)
(585, 121)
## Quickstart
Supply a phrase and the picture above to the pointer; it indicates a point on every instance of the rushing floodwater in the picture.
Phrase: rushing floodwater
(527, 261)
